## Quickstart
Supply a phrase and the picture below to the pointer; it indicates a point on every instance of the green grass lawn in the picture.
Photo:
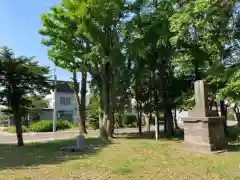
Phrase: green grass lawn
(123, 158)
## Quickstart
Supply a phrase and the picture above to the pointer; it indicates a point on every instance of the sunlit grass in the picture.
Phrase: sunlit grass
(121, 159)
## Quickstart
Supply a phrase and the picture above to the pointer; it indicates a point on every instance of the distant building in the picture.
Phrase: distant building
(66, 106)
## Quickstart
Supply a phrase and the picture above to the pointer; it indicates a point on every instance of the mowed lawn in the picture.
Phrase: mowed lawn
(121, 159)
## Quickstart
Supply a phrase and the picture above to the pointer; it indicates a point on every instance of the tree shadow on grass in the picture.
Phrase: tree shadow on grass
(34, 154)
(233, 138)
(178, 135)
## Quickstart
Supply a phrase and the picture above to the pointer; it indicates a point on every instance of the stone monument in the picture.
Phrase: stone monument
(203, 128)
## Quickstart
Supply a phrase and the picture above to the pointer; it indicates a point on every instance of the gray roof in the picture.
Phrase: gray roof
(64, 86)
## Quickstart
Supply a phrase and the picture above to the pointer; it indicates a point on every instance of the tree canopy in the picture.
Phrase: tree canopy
(150, 51)
(20, 78)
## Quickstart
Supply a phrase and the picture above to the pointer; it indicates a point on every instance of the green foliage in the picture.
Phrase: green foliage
(12, 129)
(93, 112)
(230, 116)
(35, 107)
(118, 120)
(4, 117)
(47, 125)
(161, 117)
(67, 46)
(129, 119)
(232, 90)
(21, 77)
(155, 50)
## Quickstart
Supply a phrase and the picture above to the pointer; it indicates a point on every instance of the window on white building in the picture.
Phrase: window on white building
(65, 100)
(62, 100)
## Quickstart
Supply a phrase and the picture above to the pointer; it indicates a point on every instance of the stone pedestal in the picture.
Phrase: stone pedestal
(204, 133)
(203, 129)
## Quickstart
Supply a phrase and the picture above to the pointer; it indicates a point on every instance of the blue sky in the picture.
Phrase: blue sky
(19, 25)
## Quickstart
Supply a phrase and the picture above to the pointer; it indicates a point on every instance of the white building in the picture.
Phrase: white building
(65, 100)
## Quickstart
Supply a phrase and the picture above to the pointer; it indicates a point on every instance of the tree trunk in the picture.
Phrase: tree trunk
(139, 113)
(165, 100)
(216, 106)
(158, 120)
(105, 130)
(107, 99)
(102, 123)
(156, 127)
(80, 109)
(112, 96)
(175, 119)
(18, 125)
(237, 113)
(169, 123)
(223, 110)
(103, 127)
(238, 119)
(147, 120)
(83, 101)
(165, 123)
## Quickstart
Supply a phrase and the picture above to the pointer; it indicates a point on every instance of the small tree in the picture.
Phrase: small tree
(20, 77)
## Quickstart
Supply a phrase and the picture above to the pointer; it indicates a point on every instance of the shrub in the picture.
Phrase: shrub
(93, 112)
(129, 119)
(12, 129)
(230, 116)
(161, 117)
(118, 120)
(47, 125)
(93, 122)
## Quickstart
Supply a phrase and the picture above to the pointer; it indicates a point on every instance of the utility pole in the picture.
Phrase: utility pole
(54, 102)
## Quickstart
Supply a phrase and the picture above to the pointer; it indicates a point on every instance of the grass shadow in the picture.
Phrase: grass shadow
(233, 133)
(178, 135)
(33, 154)
(233, 139)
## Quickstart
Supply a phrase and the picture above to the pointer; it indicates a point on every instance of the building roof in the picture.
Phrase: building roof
(64, 86)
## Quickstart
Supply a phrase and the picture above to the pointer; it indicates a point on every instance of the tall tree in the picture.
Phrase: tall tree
(149, 42)
(67, 47)
(102, 30)
(202, 32)
(20, 77)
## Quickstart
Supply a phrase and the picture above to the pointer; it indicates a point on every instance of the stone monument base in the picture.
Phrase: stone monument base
(204, 134)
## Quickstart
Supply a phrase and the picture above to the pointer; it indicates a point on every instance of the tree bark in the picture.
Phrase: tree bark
(168, 118)
(139, 112)
(238, 119)
(105, 129)
(102, 123)
(175, 119)
(112, 96)
(147, 120)
(223, 110)
(108, 99)
(18, 125)
(81, 104)
(83, 100)
(169, 123)
(158, 120)
(237, 113)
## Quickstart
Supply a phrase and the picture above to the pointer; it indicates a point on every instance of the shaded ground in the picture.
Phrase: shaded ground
(8, 138)
(127, 157)
(35, 154)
